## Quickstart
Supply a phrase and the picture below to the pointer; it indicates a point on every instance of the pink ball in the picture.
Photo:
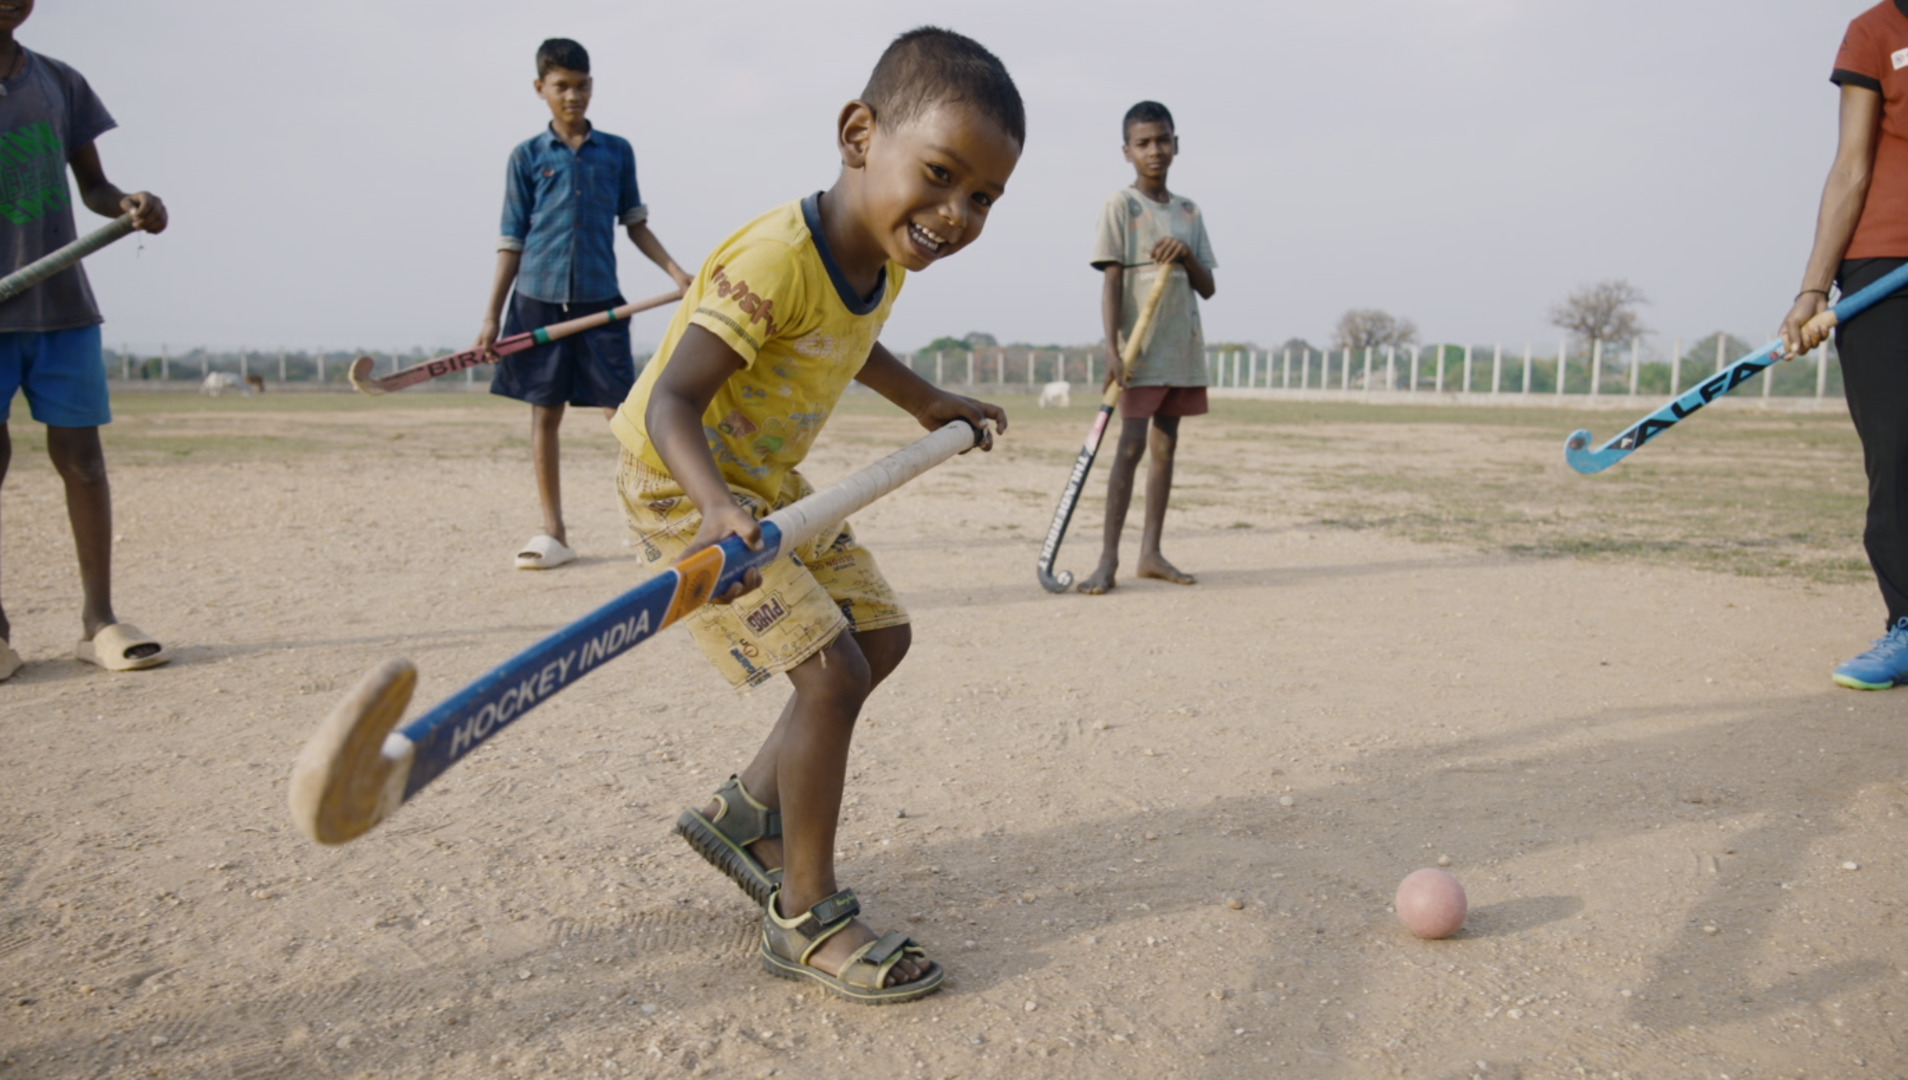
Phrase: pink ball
(1431, 904)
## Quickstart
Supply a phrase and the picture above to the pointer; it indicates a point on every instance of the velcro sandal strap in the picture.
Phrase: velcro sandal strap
(891, 944)
(838, 908)
(870, 965)
(744, 819)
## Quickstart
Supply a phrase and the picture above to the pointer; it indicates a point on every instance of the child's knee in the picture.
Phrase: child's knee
(885, 649)
(78, 461)
(840, 673)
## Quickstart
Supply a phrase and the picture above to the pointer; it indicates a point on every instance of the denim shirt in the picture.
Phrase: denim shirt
(561, 209)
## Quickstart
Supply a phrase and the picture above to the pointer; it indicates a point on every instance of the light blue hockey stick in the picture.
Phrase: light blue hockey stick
(1585, 460)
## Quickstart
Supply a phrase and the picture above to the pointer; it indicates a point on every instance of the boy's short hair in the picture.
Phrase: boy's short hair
(1147, 112)
(928, 65)
(561, 52)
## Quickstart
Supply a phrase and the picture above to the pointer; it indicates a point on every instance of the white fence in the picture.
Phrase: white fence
(1388, 373)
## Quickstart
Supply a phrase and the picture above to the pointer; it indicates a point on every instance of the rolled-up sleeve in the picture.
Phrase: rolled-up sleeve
(516, 207)
(629, 199)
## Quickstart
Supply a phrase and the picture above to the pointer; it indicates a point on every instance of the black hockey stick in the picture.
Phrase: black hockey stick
(1070, 496)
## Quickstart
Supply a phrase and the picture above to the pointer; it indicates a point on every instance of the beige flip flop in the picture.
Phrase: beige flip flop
(544, 552)
(112, 648)
(10, 661)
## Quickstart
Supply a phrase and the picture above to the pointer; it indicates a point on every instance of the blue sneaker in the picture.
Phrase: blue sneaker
(1883, 666)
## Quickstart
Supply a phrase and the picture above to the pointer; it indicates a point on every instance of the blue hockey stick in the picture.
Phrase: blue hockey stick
(356, 770)
(1585, 460)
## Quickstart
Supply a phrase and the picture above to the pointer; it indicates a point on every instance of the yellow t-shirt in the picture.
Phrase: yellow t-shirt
(775, 295)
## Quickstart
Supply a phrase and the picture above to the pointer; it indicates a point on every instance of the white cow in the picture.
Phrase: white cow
(1054, 394)
(219, 382)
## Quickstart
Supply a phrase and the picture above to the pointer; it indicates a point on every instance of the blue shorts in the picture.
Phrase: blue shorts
(62, 372)
(591, 368)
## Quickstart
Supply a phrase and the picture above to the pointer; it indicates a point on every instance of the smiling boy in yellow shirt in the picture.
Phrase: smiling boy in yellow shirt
(783, 315)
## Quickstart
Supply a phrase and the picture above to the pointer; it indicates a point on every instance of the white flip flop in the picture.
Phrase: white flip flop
(544, 552)
(112, 647)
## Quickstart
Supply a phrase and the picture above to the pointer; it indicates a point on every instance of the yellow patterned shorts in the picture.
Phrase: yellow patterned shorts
(807, 598)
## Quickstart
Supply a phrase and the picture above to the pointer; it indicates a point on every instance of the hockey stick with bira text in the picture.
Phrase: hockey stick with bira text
(360, 373)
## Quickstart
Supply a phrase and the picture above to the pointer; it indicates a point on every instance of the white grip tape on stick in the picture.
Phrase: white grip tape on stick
(802, 521)
(33, 273)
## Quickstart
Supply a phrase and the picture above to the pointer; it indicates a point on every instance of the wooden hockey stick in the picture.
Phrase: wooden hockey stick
(356, 770)
(47, 265)
(1579, 455)
(360, 372)
(1070, 495)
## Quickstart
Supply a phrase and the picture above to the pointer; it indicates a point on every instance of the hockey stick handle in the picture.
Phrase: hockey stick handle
(515, 343)
(1577, 452)
(52, 263)
(1142, 332)
(1083, 464)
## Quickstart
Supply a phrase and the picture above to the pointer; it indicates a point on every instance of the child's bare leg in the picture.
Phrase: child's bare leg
(1119, 495)
(811, 766)
(883, 650)
(545, 420)
(6, 460)
(1159, 488)
(81, 463)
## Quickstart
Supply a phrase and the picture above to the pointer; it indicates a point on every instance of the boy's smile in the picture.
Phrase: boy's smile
(1151, 147)
(13, 13)
(925, 187)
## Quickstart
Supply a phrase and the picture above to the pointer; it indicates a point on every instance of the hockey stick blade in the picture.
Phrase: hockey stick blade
(1069, 498)
(1582, 458)
(356, 769)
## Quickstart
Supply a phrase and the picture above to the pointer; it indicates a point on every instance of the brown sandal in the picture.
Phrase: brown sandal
(724, 840)
(788, 943)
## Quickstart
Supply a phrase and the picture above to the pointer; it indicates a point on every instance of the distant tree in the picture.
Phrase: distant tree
(1702, 355)
(945, 344)
(1369, 328)
(1297, 346)
(1605, 311)
(978, 340)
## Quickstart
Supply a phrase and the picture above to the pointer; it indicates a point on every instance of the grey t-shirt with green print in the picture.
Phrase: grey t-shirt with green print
(46, 111)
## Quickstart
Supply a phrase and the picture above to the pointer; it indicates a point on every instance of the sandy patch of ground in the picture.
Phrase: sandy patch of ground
(1639, 770)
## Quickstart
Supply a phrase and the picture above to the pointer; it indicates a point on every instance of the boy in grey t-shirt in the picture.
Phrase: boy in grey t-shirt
(49, 335)
(1145, 230)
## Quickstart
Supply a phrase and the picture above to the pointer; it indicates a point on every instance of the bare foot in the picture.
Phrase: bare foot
(1156, 567)
(767, 851)
(834, 952)
(1100, 581)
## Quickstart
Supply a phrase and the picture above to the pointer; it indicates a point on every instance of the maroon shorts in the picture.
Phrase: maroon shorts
(1146, 402)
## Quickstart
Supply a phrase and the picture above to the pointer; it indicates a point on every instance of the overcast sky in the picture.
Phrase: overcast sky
(334, 171)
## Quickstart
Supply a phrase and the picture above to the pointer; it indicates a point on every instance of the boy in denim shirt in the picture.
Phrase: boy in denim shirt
(565, 190)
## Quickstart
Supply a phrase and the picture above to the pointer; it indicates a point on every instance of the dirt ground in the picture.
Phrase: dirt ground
(1151, 834)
